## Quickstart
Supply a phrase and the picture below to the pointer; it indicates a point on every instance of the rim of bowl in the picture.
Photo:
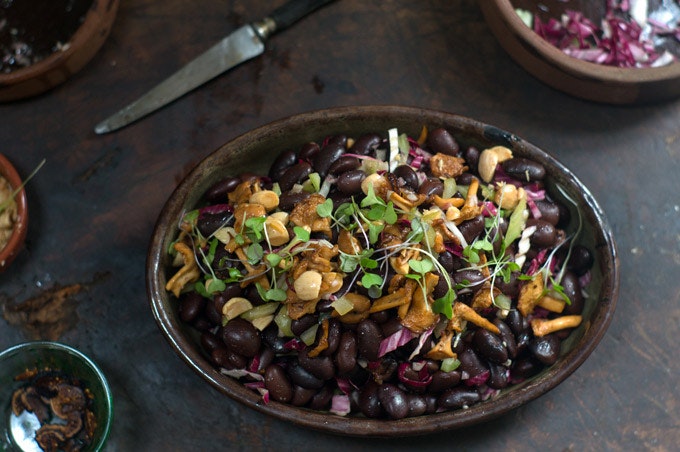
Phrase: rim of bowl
(61, 347)
(187, 349)
(502, 13)
(16, 240)
(84, 44)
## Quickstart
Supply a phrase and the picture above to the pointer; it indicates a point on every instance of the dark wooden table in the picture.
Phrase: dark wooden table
(94, 204)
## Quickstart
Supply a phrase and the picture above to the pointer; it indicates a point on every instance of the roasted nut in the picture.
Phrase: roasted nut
(276, 232)
(507, 196)
(266, 198)
(308, 285)
(236, 306)
(488, 160)
(379, 183)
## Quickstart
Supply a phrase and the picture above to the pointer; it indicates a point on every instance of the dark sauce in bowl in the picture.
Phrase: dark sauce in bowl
(31, 30)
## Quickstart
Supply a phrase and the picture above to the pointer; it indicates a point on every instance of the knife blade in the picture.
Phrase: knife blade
(241, 45)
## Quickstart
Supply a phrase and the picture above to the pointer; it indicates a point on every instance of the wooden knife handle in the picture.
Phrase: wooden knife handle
(294, 10)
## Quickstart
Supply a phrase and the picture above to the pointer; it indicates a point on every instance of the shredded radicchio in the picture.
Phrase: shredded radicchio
(619, 41)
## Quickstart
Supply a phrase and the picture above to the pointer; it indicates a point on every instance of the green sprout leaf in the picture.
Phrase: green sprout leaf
(301, 234)
(371, 279)
(325, 209)
(444, 305)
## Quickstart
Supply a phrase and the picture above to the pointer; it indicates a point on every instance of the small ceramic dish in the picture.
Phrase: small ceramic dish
(583, 79)
(42, 366)
(254, 152)
(20, 224)
(82, 37)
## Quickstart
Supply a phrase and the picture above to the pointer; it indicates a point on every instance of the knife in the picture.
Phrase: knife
(242, 45)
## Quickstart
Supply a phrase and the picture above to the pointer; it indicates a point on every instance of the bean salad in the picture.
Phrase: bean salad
(382, 275)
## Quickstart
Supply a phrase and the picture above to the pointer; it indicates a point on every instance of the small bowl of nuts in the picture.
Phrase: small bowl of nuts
(609, 52)
(52, 397)
(13, 213)
(382, 271)
(43, 46)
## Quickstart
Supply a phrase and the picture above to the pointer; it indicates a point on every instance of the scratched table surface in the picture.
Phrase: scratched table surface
(94, 203)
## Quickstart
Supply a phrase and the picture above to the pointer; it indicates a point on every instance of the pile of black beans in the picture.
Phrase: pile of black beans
(389, 386)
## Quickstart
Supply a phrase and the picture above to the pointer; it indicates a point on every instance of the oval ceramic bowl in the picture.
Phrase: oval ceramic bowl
(578, 78)
(16, 241)
(255, 151)
(56, 356)
(61, 65)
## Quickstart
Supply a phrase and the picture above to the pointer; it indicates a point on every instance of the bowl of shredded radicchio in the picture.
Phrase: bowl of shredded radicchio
(609, 51)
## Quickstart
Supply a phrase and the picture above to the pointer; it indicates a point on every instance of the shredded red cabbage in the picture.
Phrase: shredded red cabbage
(619, 40)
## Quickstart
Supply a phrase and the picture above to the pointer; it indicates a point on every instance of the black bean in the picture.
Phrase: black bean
(349, 182)
(277, 383)
(308, 151)
(301, 396)
(471, 155)
(346, 354)
(283, 161)
(265, 358)
(431, 186)
(293, 175)
(228, 359)
(271, 338)
(508, 338)
(446, 260)
(288, 200)
(471, 363)
(444, 380)
(517, 323)
(302, 377)
(369, 337)
(369, 404)
(440, 140)
(240, 336)
(201, 323)
(334, 332)
(466, 178)
(458, 398)
(490, 346)
(581, 260)
(525, 368)
(572, 289)
(299, 326)
(499, 376)
(323, 160)
(191, 304)
(550, 211)
(321, 366)
(417, 404)
(322, 399)
(344, 164)
(210, 341)
(546, 348)
(391, 326)
(524, 169)
(510, 287)
(213, 312)
(393, 401)
(219, 191)
(472, 228)
(208, 223)
(473, 278)
(408, 175)
(366, 144)
(545, 235)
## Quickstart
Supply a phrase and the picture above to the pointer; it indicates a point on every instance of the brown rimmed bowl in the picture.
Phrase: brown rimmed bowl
(586, 80)
(16, 240)
(60, 65)
(254, 152)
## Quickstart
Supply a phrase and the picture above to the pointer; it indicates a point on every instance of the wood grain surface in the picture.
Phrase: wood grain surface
(94, 204)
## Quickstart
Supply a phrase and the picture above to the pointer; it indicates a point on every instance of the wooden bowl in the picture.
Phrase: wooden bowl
(255, 151)
(16, 240)
(586, 80)
(61, 64)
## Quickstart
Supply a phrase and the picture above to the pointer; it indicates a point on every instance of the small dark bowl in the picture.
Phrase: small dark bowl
(60, 65)
(586, 80)
(255, 151)
(16, 240)
(41, 355)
